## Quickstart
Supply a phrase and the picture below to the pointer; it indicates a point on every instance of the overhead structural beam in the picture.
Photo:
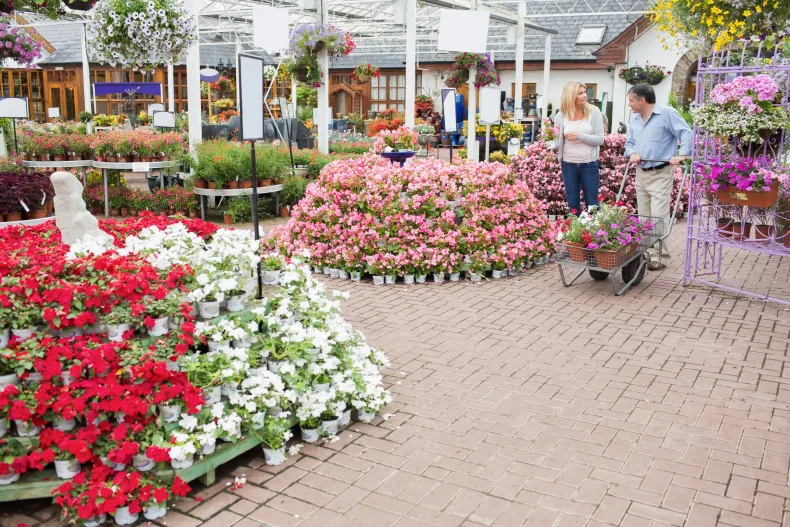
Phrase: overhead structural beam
(495, 13)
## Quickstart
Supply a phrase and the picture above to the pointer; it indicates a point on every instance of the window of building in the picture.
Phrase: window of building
(388, 92)
(22, 83)
(527, 89)
(592, 92)
(590, 35)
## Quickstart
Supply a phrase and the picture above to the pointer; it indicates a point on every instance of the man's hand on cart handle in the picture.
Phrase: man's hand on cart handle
(677, 160)
(635, 159)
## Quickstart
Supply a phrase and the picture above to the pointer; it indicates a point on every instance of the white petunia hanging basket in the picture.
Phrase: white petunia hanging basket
(140, 34)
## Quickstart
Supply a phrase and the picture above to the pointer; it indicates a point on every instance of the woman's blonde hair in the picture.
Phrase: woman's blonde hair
(568, 100)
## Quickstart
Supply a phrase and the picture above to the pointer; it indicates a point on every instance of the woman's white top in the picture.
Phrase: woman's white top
(578, 151)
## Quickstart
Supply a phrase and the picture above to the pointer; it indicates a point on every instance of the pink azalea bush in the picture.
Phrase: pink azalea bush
(430, 216)
(539, 167)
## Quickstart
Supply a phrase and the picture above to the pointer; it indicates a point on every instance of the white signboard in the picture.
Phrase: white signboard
(463, 30)
(448, 106)
(270, 27)
(490, 102)
(164, 120)
(141, 167)
(251, 99)
(14, 107)
(155, 107)
(53, 113)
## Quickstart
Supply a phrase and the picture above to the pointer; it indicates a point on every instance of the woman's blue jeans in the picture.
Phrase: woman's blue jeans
(581, 177)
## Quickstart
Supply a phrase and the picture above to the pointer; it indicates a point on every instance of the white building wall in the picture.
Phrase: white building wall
(646, 49)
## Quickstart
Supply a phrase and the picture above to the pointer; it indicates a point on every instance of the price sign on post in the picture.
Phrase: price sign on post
(141, 167)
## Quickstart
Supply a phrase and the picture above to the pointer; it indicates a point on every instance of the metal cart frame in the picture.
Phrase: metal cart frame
(632, 267)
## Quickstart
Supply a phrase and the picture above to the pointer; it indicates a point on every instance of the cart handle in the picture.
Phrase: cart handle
(680, 190)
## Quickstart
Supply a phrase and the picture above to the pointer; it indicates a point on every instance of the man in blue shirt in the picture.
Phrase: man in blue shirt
(654, 133)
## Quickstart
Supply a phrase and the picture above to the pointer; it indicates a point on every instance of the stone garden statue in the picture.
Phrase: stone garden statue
(71, 215)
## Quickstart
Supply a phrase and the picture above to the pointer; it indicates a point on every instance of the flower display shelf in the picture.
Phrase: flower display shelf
(104, 166)
(28, 223)
(41, 484)
(716, 224)
(629, 262)
(222, 193)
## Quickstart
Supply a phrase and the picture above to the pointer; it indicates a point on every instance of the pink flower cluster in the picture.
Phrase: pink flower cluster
(403, 138)
(17, 45)
(747, 91)
(539, 167)
(367, 214)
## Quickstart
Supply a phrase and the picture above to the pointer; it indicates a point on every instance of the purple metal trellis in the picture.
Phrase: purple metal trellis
(708, 219)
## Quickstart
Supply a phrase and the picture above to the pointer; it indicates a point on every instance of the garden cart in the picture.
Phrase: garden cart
(630, 261)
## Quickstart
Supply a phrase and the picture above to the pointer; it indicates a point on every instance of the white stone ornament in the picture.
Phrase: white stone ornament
(72, 217)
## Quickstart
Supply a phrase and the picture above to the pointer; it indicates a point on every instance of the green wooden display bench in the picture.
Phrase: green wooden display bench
(42, 483)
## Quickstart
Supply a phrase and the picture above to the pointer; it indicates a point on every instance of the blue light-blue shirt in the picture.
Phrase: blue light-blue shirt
(658, 138)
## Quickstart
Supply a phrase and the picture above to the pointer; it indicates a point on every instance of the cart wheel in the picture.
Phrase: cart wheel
(598, 275)
(631, 269)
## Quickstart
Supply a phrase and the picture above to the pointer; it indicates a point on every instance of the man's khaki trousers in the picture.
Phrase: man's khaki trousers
(653, 196)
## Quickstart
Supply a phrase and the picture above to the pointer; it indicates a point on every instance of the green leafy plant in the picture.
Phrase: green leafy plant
(294, 187)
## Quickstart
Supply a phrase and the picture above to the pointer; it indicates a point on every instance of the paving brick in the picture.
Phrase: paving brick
(223, 519)
(212, 506)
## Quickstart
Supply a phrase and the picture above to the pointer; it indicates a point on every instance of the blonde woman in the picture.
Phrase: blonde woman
(580, 137)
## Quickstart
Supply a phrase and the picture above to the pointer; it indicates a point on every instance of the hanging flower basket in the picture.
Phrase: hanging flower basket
(140, 34)
(79, 5)
(16, 45)
(365, 72)
(651, 75)
(485, 74)
(307, 41)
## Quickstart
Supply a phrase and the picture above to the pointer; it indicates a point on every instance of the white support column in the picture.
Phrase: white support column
(411, 59)
(193, 83)
(171, 89)
(323, 91)
(546, 75)
(517, 89)
(86, 73)
(471, 140)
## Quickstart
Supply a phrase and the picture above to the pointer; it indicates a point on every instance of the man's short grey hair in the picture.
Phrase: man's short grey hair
(644, 91)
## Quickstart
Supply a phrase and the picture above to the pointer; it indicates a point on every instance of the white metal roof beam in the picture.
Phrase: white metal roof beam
(502, 15)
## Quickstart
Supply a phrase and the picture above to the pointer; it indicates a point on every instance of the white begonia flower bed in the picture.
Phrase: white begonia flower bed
(327, 367)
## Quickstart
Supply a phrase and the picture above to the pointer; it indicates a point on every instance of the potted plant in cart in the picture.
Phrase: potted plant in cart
(272, 267)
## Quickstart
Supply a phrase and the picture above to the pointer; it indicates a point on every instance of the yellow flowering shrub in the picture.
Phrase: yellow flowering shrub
(720, 22)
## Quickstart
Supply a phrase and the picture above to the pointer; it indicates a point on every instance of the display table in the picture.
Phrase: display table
(143, 168)
(83, 164)
(222, 193)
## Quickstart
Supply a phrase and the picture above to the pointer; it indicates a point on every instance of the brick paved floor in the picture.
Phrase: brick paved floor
(520, 402)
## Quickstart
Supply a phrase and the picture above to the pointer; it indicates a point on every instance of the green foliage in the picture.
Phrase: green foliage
(684, 111)
(240, 207)
(85, 117)
(306, 96)
(293, 189)
(8, 134)
(358, 121)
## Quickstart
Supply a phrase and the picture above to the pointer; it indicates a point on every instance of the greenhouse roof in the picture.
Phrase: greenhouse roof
(379, 32)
